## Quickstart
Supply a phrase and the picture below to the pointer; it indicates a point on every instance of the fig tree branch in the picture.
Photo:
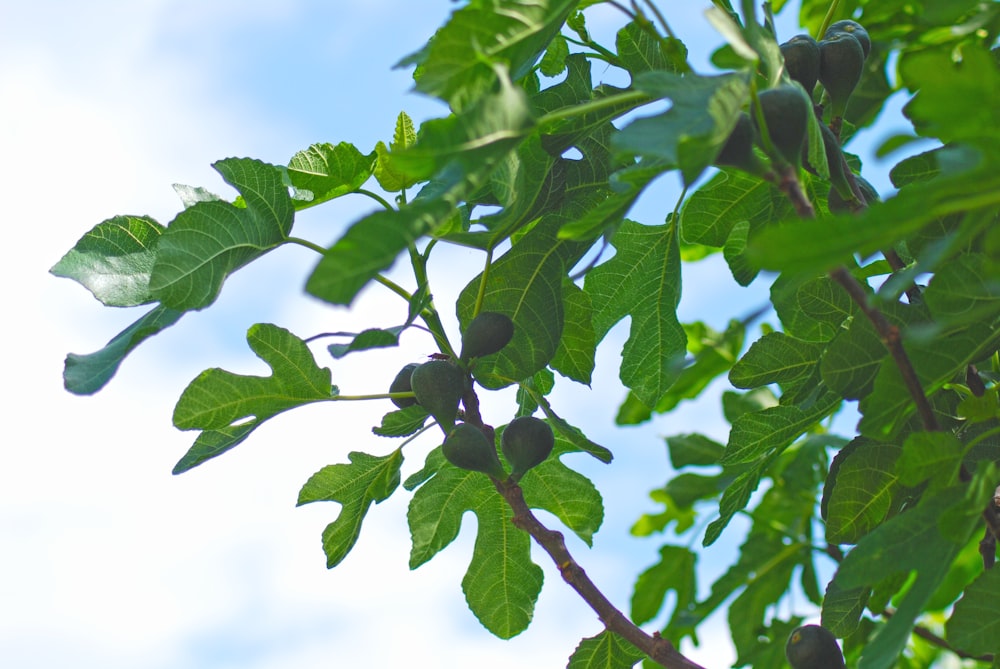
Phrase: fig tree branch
(656, 647)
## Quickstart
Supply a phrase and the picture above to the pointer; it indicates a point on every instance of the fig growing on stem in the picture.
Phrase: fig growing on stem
(841, 63)
(738, 150)
(487, 333)
(401, 384)
(467, 447)
(526, 442)
(439, 385)
(801, 55)
(786, 115)
(813, 647)
(853, 28)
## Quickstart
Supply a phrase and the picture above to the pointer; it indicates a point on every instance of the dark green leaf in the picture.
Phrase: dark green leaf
(502, 583)
(566, 494)
(369, 247)
(936, 361)
(708, 216)
(456, 65)
(209, 240)
(975, 625)
(86, 374)
(574, 358)
(642, 280)
(862, 491)
(775, 358)
(756, 434)
(367, 479)
(690, 134)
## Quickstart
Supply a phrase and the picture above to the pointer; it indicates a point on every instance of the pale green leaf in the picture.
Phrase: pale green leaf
(223, 401)
(367, 479)
(329, 171)
(607, 650)
(114, 260)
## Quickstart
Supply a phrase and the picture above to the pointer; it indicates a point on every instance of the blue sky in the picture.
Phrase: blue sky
(108, 560)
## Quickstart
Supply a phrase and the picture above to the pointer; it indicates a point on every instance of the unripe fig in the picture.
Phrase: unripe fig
(835, 162)
(401, 384)
(801, 55)
(526, 442)
(738, 150)
(467, 447)
(439, 386)
(487, 333)
(839, 205)
(786, 114)
(813, 647)
(854, 28)
(841, 63)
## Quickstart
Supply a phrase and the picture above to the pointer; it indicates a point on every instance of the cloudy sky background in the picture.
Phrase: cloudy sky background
(109, 561)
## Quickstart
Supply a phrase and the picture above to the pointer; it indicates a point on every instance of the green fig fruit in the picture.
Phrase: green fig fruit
(526, 442)
(841, 63)
(786, 114)
(487, 333)
(738, 150)
(854, 28)
(838, 204)
(837, 167)
(813, 647)
(439, 385)
(467, 447)
(801, 55)
(401, 384)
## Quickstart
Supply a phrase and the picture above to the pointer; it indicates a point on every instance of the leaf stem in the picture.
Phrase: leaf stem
(893, 341)
(828, 19)
(481, 294)
(306, 243)
(375, 196)
(394, 287)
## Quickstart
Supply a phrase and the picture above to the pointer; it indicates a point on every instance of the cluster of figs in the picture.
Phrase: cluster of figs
(836, 62)
(439, 386)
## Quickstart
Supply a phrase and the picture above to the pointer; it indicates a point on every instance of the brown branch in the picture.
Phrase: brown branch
(890, 336)
(935, 640)
(656, 647)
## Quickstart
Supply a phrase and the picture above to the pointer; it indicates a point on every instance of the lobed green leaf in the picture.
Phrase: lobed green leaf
(367, 479)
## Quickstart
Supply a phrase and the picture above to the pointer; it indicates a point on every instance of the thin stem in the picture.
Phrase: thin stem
(306, 243)
(481, 294)
(891, 338)
(375, 196)
(828, 19)
(394, 287)
(659, 17)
